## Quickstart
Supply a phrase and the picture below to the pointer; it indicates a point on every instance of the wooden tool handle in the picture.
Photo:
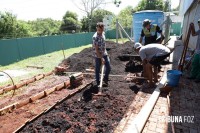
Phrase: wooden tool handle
(102, 71)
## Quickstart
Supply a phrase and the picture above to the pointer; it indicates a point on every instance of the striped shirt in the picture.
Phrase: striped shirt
(100, 41)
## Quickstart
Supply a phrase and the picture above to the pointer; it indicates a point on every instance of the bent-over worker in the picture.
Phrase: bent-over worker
(152, 55)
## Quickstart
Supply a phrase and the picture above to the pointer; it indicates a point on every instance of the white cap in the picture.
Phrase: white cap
(137, 45)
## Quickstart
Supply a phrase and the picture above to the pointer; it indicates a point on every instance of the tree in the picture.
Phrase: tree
(47, 26)
(70, 22)
(150, 5)
(23, 29)
(85, 24)
(125, 17)
(10, 27)
(167, 5)
(98, 16)
(88, 6)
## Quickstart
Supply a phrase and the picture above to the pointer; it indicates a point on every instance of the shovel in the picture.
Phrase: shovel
(101, 83)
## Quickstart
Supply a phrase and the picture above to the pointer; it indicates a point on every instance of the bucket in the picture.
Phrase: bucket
(173, 77)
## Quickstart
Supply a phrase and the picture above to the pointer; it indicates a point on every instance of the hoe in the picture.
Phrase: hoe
(101, 83)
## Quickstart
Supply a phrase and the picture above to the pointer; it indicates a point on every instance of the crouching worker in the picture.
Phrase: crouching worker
(152, 55)
(195, 72)
(100, 53)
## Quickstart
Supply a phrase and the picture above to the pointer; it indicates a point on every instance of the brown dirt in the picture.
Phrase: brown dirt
(12, 121)
(83, 60)
(88, 113)
(32, 89)
(85, 112)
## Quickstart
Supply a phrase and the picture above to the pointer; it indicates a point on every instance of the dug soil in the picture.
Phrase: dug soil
(79, 62)
(86, 112)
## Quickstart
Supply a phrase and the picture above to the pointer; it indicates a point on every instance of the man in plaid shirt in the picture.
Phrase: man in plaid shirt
(100, 53)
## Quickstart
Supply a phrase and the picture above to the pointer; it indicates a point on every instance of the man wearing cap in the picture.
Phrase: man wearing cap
(100, 53)
(195, 72)
(151, 55)
(150, 31)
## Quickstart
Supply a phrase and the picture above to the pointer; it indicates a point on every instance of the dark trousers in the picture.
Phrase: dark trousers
(156, 60)
(98, 67)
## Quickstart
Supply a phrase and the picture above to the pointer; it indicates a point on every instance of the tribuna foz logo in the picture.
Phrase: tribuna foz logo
(177, 119)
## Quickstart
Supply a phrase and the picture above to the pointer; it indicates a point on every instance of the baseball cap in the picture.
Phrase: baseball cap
(146, 22)
(137, 45)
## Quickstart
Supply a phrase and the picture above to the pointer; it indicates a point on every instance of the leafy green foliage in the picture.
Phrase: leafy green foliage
(70, 23)
(150, 5)
(23, 29)
(97, 16)
(125, 17)
(69, 14)
(47, 26)
(11, 28)
(85, 24)
(166, 7)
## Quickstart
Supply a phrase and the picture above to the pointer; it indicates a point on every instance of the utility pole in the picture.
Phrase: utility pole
(170, 9)
(167, 28)
(117, 3)
(90, 23)
(117, 29)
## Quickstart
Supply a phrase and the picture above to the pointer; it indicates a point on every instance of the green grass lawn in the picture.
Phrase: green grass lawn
(48, 61)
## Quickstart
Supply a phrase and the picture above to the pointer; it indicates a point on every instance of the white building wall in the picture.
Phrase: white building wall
(107, 20)
(184, 5)
(191, 16)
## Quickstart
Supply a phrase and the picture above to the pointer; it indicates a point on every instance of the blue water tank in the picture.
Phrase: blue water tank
(156, 17)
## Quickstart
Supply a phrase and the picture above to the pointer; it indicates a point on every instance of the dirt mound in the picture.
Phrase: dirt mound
(85, 59)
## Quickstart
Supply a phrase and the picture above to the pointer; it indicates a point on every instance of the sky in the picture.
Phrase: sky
(55, 9)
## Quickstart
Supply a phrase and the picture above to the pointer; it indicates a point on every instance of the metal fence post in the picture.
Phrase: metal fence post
(117, 28)
(18, 49)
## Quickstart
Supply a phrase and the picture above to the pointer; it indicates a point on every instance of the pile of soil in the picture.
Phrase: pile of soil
(85, 59)
(86, 112)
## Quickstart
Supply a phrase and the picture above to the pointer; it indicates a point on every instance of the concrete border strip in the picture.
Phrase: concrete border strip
(139, 121)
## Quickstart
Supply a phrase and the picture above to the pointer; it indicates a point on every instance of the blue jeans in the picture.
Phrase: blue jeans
(98, 67)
